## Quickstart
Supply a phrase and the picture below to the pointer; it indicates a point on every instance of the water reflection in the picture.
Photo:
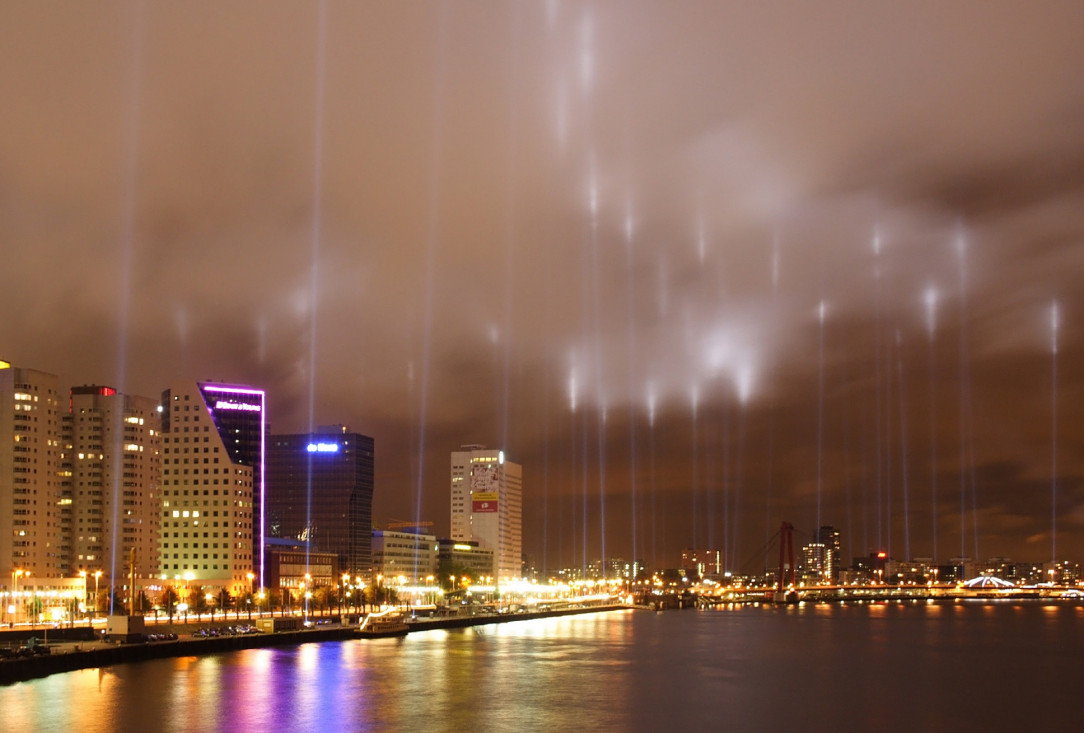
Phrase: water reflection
(849, 666)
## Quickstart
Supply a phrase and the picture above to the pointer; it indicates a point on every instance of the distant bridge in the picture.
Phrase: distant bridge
(883, 592)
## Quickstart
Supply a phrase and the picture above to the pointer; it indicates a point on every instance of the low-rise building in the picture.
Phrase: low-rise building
(404, 554)
(456, 558)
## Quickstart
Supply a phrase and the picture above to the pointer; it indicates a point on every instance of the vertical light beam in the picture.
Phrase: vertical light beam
(1054, 434)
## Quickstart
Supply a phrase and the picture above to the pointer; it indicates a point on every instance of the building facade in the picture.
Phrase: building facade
(487, 505)
(831, 539)
(297, 567)
(31, 533)
(213, 449)
(320, 491)
(456, 558)
(704, 563)
(110, 469)
(406, 555)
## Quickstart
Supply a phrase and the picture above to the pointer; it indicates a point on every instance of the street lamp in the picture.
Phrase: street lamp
(83, 604)
(344, 596)
(97, 576)
(15, 575)
(187, 598)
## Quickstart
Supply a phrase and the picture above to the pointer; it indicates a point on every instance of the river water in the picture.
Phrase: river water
(857, 667)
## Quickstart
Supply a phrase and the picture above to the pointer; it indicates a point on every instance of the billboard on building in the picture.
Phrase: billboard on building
(483, 502)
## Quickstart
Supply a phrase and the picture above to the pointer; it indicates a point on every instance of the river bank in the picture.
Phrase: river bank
(81, 648)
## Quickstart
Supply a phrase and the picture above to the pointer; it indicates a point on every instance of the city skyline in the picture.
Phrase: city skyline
(698, 271)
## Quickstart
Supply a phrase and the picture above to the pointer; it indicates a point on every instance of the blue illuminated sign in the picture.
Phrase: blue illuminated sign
(322, 448)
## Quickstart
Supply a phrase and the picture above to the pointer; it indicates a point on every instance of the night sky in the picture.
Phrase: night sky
(699, 267)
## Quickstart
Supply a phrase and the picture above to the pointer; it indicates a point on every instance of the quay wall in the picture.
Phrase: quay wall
(88, 653)
(459, 622)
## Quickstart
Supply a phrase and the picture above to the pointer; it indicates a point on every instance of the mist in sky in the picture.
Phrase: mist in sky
(698, 267)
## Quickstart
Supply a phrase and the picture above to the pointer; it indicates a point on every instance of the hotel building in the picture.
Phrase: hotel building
(213, 448)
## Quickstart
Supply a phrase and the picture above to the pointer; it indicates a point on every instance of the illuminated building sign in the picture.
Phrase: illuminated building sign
(231, 405)
(484, 502)
(322, 448)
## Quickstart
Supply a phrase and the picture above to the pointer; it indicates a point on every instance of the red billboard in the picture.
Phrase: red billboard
(483, 502)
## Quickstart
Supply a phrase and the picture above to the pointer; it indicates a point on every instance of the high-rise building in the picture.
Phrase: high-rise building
(30, 524)
(320, 491)
(213, 449)
(109, 481)
(830, 537)
(814, 563)
(703, 562)
(486, 504)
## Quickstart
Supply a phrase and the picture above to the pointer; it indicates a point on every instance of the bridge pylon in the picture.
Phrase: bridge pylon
(786, 578)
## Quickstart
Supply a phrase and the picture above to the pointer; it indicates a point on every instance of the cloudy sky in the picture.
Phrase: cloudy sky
(699, 267)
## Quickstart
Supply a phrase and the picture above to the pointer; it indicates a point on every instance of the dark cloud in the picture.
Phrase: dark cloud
(600, 235)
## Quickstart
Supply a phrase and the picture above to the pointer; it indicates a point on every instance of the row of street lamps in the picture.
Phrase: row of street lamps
(349, 586)
(17, 573)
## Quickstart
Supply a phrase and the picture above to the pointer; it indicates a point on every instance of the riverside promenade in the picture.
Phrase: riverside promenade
(83, 648)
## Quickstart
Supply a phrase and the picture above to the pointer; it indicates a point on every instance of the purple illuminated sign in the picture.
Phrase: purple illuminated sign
(231, 405)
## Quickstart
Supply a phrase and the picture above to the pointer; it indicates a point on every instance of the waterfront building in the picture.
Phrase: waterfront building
(47, 600)
(111, 511)
(959, 569)
(813, 563)
(213, 448)
(866, 570)
(570, 575)
(908, 573)
(320, 491)
(703, 563)
(297, 567)
(830, 537)
(821, 557)
(613, 568)
(486, 506)
(408, 555)
(1026, 573)
(31, 538)
(1065, 572)
(456, 558)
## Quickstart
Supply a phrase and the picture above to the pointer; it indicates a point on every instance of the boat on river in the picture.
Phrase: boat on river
(384, 623)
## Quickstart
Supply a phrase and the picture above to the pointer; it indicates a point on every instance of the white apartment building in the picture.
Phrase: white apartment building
(110, 474)
(404, 554)
(30, 524)
(487, 506)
